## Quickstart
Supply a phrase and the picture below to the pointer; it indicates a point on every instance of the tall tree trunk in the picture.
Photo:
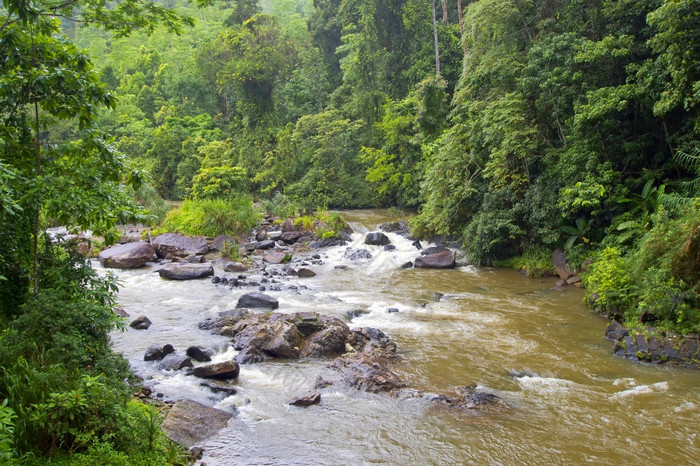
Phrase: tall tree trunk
(37, 212)
(461, 26)
(444, 11)
(435, 34)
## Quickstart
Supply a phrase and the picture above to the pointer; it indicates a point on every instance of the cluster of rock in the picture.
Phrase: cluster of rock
(435, 257)
(566, 275)
(640, 346)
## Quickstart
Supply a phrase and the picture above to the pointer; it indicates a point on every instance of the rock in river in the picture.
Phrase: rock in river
(158, 352)
(200, 353)
(140, 323)
(440, 260)
(219, 370)
(176, 245)
(189, 422)
(257, 300)
(127, 256)
(183, 271)
(307, 400)
(174, 362)
(377, 238)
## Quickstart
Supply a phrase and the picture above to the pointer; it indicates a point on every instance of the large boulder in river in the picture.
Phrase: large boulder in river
(377, 238)
(220, 242)
(291, 237)
(176, 245)
(261, 337)
(257, 300)
(184, 271)
(127, 256)
(329, 340)
(158, 352)
(200, 353)
(189, 422)
(440, 260)
(433, 250)
(140, 323)
(174, 362)
(220, 370)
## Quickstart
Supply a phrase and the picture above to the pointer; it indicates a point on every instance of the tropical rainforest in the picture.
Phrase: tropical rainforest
(515, 126)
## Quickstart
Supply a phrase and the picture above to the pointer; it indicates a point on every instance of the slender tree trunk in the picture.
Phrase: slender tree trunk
(461, 26)
(37, 212)
(444, 11)
(435, 34)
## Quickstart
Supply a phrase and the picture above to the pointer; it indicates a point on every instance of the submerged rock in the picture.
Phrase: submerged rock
(357, 254)
(637, 346)
(307, 400)
(186, 271)
(127, 256)
(189, 422)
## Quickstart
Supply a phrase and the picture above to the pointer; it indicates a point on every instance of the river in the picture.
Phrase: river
(536, 346)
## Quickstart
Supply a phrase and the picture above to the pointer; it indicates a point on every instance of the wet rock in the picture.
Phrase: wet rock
(193, 259)
(182, 271)
(560, 265)
(471, 398)
(200, 353)
(275, 257)
(127, 256)
(189, 422)
(400, 228)
(392, 310)
(120, 312)
(288, 225)
(356, 313)
(433, 250)
(407, 265)
(357, 254)
(389, 247)
(264, 337)
(235, 267)
(573, 280)
(176, 245)
(291, 237)
(305, 273)
(670, 349)
(257, 300)
(261, 235)
(327, 243)
(222, 241)
(307, 400)
(219, 386)
(220, 370)
(174, 362)
(377, 239)
(158, 352)
(140, 323)
(365, 373)
(615, 331)
(417, 244)
(329, 341)
(274, 235)
(265, 244)
(440, 260)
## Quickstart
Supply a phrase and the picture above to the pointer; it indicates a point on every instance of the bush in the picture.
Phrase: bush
(280, 206)
(609, 281)
(212, 217)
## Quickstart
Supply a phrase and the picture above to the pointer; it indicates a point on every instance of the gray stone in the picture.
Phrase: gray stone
(127, 256)
(176, 245)
(189, 422)
(433, 250)
(257, 300)
(221, 370)
(305, 273)
(185, 271)
(140, 323)
(291, 237)
(265, 244)
(158, 352)
(357, 254)
(174, 362)
(274, 257)
(217, 244)
(560, 265)
(377, 238)
(200, 353)
(440, 260)
(235, 267)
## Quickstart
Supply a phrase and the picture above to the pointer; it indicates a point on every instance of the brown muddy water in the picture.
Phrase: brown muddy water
(538, 347)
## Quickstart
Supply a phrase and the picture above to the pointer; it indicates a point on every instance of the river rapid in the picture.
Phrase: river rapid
(523, 339)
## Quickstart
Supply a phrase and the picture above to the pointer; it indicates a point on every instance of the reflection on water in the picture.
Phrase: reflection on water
(536, 346)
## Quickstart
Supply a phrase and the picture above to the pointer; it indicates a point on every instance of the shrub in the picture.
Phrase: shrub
(609, 279)
(212, 217)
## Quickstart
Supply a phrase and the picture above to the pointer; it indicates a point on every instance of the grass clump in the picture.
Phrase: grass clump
(535, 262)
(212, 217)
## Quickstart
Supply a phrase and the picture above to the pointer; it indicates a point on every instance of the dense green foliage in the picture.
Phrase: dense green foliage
(212, 217)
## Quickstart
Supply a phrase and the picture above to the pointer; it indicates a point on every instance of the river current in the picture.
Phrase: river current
(536, 346)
